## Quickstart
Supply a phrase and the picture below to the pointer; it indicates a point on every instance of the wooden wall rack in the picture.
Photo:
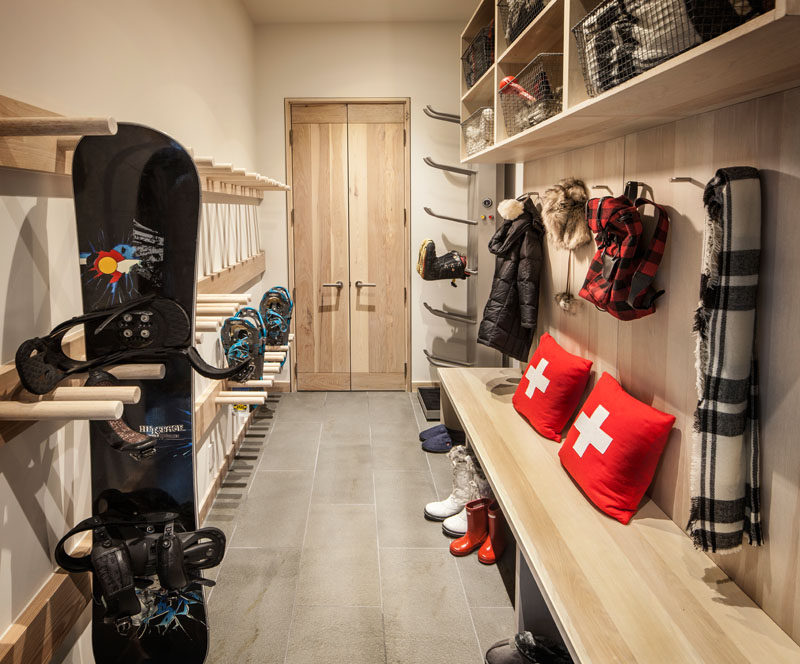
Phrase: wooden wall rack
(37, 139)
(709, 76)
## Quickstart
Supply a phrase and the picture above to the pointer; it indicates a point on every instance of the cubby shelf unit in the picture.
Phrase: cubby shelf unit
(757, 58)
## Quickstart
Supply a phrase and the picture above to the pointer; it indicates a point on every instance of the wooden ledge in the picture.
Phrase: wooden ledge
(635, 593)
(232, 279)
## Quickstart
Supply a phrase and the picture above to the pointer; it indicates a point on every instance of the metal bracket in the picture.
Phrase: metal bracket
(459, 318)
(442, 216)
(449, 169)
(438, 115)
(442, 362)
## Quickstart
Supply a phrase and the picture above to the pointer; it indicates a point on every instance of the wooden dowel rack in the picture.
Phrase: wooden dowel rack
(125, 394)
(215, 298)
(258, 383)
(19, 411)
(138, 371)
(57, 126)
(245, 401)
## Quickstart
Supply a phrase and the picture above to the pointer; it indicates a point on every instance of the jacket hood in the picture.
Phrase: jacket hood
(513, 229)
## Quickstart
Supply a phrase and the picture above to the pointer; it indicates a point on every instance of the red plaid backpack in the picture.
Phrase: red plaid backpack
(620, 278)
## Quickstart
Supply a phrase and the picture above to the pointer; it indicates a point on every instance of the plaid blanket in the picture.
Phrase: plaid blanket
(725, 463)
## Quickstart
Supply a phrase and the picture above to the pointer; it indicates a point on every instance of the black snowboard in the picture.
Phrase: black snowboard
(137, 204)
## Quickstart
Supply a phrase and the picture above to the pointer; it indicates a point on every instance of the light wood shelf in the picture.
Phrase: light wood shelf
(755, 59)
(480, 94)
(544, 34)
(235, 277)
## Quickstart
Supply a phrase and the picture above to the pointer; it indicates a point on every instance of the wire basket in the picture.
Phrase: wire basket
(622, 38)
(478, 56)
(478, 130)
(516, 15)
(534, 94)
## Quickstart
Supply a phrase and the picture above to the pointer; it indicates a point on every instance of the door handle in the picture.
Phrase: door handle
(338, 284)
(364, 284)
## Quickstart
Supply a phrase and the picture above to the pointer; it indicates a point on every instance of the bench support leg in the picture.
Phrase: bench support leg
(447, 414)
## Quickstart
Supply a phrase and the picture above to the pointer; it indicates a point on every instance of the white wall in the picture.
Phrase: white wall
(416, 60)
(184, 67)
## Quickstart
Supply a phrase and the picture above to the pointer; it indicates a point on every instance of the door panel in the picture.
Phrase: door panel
(321, 252)
(377, 246)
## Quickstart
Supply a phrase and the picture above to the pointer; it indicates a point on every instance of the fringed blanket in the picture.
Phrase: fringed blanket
(725, 462)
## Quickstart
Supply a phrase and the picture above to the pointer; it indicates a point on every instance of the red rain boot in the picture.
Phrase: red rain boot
(495, 544)
(476, 528)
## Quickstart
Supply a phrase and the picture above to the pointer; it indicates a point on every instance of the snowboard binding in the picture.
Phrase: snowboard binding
(130, 555)
(117, 433)
(451, 265)
(147, 329)
(242, 344)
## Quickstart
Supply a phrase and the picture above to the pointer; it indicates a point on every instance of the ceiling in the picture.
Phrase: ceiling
(348, 11)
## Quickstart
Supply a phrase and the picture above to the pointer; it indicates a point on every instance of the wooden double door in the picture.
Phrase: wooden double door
(348, 230)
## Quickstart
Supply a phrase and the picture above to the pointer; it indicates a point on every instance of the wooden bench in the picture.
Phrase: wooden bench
(635, 593)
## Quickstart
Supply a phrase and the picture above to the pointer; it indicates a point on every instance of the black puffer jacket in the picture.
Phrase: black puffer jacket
(509, 319)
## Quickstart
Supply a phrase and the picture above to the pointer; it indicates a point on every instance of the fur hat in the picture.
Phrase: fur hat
(564, 214)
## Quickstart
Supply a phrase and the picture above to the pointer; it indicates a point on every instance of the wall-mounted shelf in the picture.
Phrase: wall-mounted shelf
(709, 76)
(235, 277)
(544, 34)
(46, 150)
(482, 93)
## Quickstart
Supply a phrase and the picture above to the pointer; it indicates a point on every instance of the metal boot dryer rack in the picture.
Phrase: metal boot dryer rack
(484, 187)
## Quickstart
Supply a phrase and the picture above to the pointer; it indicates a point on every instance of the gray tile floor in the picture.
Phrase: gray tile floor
(329, 557)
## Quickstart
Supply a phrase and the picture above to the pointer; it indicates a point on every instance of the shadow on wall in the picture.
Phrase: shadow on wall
(28, 309)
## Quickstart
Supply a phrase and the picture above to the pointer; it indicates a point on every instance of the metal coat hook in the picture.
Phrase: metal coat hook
(449, 169)
(603, 186)
(438, 115)
(469, 222)
(684, 178)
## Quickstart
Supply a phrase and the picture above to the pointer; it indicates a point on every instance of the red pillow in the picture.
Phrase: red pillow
(613, 448)
(551, 387)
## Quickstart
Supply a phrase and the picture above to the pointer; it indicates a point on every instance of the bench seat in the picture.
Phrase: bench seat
(635, 593)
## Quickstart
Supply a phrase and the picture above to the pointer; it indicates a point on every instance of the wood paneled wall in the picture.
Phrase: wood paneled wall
(654, 357)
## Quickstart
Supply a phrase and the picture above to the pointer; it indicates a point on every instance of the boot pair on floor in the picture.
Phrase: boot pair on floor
(471, 502)
(485, 530)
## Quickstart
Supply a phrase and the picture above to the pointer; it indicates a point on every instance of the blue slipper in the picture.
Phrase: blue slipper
(458, 437)
(433, 431)
(438, 444)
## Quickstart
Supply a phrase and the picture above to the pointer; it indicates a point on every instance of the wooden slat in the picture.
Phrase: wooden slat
(233, 278)
(323, 381)
(38, 632)
(208, 501)
(635, 593)
(319, 113)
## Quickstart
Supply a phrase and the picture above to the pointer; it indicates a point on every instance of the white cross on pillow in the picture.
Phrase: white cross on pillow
(591, 433)
(536, 378)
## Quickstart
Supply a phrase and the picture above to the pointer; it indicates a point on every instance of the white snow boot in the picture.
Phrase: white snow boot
(456, 525)
(462, 489)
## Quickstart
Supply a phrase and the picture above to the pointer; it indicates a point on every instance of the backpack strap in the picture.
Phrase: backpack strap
(642, 279)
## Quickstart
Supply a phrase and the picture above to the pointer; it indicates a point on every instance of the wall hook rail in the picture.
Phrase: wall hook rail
(459, 318)
(449, 169)
(470, 222)
(57, 126)
(442, 362)
(438, 115)
(684, 178)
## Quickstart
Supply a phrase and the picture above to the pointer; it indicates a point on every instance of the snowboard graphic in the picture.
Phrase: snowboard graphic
(137, 204)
